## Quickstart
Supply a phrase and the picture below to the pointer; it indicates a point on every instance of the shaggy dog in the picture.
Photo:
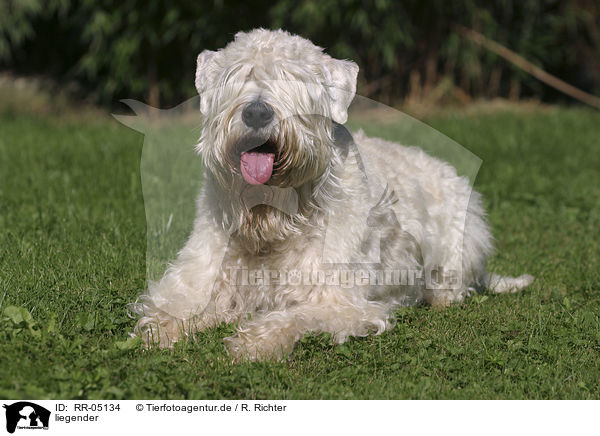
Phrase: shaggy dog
(292, 232)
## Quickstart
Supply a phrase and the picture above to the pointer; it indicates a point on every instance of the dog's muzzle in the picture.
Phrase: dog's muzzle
(257, 157)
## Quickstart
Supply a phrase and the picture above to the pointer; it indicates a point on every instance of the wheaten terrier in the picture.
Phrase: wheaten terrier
(292, 234)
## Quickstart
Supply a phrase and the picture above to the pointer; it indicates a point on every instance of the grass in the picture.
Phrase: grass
(73, 246)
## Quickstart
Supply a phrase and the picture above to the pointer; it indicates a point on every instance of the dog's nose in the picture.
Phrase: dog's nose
(257, 115)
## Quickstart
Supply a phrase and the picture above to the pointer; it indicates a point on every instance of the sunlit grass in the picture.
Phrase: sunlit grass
(73, 246)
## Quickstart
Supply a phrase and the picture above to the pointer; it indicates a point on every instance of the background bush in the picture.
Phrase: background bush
(406, 49)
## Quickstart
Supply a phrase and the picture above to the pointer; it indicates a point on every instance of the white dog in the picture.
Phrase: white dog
(302, 226)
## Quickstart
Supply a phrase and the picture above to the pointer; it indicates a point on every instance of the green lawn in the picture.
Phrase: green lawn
(73, 247)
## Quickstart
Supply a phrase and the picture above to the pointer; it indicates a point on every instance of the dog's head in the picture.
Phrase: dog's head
(268, 100)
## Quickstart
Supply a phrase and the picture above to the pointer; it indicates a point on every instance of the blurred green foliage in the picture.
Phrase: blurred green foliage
(15, 23)
(147, 50)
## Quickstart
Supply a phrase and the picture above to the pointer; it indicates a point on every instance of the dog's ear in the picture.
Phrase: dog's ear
(342, 87)
(202, 66)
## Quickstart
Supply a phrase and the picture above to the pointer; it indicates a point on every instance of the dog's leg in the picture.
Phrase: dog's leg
(465, 254)
(183, 301)
(273, 335)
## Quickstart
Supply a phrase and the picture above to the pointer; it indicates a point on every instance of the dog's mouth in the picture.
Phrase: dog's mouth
(256, 164)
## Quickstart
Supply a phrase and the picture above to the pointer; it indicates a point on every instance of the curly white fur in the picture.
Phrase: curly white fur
(426, 218)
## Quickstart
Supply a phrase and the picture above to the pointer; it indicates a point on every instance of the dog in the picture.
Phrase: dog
(302, 226)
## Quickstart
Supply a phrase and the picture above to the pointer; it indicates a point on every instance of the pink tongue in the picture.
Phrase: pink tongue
(257, 167)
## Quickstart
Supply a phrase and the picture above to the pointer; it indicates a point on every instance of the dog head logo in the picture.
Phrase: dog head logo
(26, 415)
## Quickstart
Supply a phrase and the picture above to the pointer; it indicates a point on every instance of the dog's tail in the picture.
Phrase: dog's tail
(505, 284)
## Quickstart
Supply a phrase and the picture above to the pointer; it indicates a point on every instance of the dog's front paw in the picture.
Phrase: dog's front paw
(162, 335)
(243, 346)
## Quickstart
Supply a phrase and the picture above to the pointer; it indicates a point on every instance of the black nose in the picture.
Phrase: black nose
(257, 115)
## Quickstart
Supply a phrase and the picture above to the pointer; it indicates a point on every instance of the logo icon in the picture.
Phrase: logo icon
(26, 415)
